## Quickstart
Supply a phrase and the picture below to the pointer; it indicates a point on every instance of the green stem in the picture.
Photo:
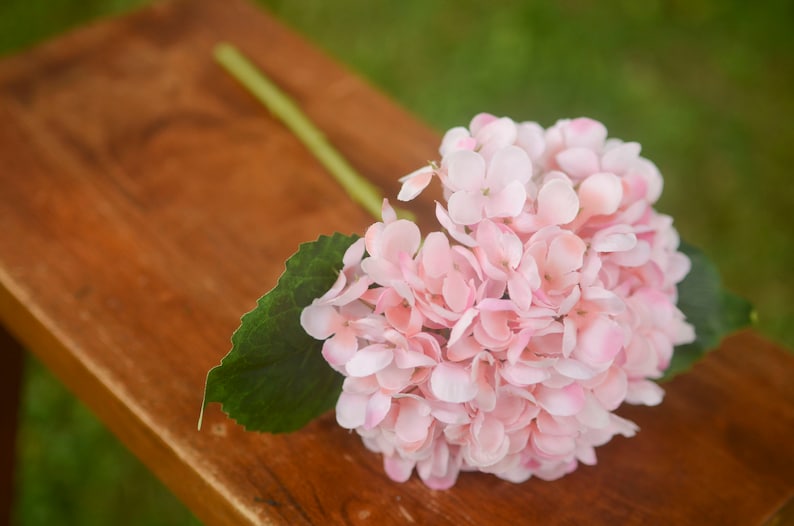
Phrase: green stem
(281, 106)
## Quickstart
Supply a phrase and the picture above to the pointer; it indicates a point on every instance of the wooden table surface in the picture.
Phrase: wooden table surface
(146, 201)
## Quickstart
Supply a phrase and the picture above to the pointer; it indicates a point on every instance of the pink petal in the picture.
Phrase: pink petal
(486, 395)
(578, 163)
(372, 238)
(467, 143)
(652, 178)
(452, 383)
(453, 139)
(435, 313)
(414, 183)
(557, 425)
(531, 138)
(625, 427)
(354, 253)
(481, 120)
(351, 410)
(586, 455)
(465, 171)
(377, 408)
(508, 165)
(507, 202)
(600, 194)
(570, 301)
(465, 208)
(497, 249)
(613, 388)
(495, 323)
(356, 289)
(520, 290)
(404, 290)
(519, 438)
(440, 470)
(466, 262)
(407, 320)
(600, 342)
(585, 132)
(320, 321)
(360, 386)
(339, 284)
(456, 292)
(558, 203)
(614, 242)
(566, 254)
(528, 272)
(606, 300)
(637, 256)
(556, 470)
(369, 360)
(456, 231)
(413, 420)
(569, 336)
(436, 256)
(620, 158)
(574, 369)
(678, 267)
(462, 325)
(381, 271)
(410, 269)
(566, 401)
(521, 374)
(644, 392)
(490, 436)
(590, 268)
(341, 348)
(387, 212)
(453, 414)
(393, 378)
(553, 445)
(495, 135)
(399, 237)
(512, 249)
(593, 415)
(463, 349)
(518, 344)
(428, 343)
(436, 465)
(641, 356)
(397, 468)
(407, 359)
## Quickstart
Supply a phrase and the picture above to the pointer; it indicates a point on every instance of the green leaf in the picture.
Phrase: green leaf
(712, 310)
(275, 378)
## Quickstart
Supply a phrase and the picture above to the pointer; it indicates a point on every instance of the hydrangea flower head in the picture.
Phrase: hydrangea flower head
(504, 341)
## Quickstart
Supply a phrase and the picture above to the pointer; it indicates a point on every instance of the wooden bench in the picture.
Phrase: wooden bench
(146, 201)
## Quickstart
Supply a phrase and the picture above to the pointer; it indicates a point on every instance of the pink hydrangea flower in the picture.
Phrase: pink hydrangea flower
(504, 341)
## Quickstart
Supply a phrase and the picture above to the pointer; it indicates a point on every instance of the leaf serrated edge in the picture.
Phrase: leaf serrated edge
(289, 263)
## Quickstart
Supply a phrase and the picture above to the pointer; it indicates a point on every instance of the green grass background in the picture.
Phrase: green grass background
(705, 85)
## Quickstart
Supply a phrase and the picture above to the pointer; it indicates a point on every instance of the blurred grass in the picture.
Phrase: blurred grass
(72, 471)
(705, 85)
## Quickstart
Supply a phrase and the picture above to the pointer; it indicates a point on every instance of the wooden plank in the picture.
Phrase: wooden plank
(146, 202)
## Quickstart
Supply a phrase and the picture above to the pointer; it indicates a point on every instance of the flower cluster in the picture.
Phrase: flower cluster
(504, 342)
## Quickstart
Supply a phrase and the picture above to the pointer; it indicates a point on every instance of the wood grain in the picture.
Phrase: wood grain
(146, 202)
